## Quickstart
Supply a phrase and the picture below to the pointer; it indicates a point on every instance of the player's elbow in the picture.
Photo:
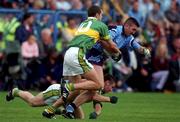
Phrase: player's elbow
(101, 85)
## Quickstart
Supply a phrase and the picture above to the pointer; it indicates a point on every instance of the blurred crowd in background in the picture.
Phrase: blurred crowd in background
(32, 44)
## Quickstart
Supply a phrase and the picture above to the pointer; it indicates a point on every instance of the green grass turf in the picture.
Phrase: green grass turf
(132, 107)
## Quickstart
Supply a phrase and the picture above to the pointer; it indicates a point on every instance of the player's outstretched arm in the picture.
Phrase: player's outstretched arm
(97, 110)
(112, 49)
(110, 46)
(144, 51)
(98, 105)
(140, 49)
(101, 98)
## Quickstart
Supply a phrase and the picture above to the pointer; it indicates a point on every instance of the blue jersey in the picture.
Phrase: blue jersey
(96, 54)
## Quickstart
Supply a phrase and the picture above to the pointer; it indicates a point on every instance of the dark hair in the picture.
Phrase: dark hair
(70, 18)
(26, 16)
(93, 10)
(29, 35)
(109, 77)
(132, 20)
(157, 3)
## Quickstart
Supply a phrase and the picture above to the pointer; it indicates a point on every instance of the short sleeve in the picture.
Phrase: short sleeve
(104, 32)
(113, 33)
(134, 44)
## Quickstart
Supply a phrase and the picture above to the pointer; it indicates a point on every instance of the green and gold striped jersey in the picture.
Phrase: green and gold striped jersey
(88, 33)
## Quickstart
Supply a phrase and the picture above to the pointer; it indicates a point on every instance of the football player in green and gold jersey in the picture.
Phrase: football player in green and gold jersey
(76, 65)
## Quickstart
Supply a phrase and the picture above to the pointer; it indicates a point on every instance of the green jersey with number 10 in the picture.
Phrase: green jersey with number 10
(88, 33)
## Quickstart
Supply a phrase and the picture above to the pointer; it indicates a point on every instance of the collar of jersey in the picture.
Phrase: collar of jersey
(123, 32)
(92, 18)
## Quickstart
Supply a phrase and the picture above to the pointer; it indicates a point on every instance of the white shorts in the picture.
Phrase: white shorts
(75, 62)
(51, 94)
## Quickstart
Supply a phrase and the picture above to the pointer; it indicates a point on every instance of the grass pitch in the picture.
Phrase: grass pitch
(131, 107)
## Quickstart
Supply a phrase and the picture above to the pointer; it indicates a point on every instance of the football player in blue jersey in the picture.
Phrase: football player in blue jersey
(122, 35)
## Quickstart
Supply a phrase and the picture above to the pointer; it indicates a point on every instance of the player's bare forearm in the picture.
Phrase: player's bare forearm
(101, 98)
(98, 108)
(140, 50)
(144, 51)
(110, 46)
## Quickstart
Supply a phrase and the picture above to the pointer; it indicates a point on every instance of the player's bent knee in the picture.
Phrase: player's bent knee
(33, 103)
(100, 85)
